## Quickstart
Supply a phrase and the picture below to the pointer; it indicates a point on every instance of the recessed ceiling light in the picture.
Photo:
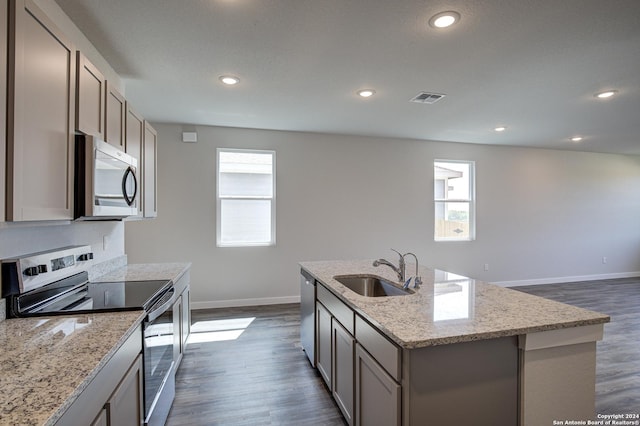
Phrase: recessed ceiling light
(366, 93)
(576, 139)
(500, 129)
(229, 80)
(605, 95)
(444, 19)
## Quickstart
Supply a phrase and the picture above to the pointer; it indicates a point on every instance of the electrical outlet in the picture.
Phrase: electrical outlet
(486, 266)
(604, 260)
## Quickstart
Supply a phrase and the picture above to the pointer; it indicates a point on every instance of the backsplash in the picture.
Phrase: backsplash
(105, 238)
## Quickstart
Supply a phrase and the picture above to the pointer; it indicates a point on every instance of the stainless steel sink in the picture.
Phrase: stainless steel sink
(371, 286)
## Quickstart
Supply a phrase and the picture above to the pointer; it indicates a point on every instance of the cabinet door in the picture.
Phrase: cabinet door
(377, 394)
(114, 117)
(4, 17)
(323, 343)
(102, 419)
(125, 405)
(177, 341)
(150, 155)
(134, 124)
(185, 324)
(41, 111)
(342, 368)
(90, 93)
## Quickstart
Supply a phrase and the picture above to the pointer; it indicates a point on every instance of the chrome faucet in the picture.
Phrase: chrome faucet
(417, 280)
(399, 270)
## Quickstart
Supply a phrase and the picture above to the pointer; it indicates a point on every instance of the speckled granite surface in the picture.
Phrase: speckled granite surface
(102, 268)
(146, 272)
(449, 308)
(47, 362)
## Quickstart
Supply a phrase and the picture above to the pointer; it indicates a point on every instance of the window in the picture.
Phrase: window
(454, 200)
(246, 198)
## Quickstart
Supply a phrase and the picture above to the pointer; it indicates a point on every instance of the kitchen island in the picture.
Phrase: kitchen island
(455, 350)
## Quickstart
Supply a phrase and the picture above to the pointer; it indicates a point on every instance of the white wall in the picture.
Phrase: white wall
(543, 215)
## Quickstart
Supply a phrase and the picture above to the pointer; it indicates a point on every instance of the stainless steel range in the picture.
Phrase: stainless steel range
(56, 282)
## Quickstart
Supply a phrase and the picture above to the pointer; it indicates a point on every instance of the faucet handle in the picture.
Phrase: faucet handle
(417, 282)
(406, 283)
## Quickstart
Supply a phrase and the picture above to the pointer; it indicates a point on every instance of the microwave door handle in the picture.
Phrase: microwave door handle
(128, 200)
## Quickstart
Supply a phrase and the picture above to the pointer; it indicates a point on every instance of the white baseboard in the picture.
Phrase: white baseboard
(233, 303)
(556, 280)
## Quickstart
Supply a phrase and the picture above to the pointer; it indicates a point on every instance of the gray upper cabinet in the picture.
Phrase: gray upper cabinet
(115, 112)
(134, 137)
(90, 98)
(150, 176)
(41, 109)
(4, 22)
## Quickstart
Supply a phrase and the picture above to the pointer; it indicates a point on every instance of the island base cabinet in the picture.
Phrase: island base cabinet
(471, 383)
(343, 347)
(558, 374)
(378, 396)
(323, 343)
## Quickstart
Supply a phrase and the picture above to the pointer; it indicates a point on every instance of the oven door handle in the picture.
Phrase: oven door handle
(161, 306)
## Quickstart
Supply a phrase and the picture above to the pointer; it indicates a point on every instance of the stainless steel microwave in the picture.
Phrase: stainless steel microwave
(106, 181)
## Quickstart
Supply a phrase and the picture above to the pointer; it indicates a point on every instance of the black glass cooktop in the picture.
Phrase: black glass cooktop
(72, 295)
(125, 294)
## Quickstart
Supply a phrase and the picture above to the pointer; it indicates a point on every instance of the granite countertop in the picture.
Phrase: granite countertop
(48, 361)
(449, 308)
(145, 272)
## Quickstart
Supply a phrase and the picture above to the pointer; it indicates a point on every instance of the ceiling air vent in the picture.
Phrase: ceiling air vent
(427, 98)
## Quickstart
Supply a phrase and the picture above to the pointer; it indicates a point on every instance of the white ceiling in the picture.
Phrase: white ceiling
(531, 65)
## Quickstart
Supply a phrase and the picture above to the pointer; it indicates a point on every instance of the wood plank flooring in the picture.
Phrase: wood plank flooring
(618, 354)
(262, 377)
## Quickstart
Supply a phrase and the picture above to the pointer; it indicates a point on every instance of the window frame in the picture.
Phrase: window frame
(219, 199)
(471, 201)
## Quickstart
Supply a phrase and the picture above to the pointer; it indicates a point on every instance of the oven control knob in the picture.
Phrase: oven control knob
(85, 257)
(31, 271)
(42, 269)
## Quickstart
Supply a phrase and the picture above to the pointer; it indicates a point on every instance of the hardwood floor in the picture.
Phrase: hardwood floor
(618, 354)
(262, 377)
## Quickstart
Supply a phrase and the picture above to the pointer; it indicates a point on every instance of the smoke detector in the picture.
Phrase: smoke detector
(427, 98)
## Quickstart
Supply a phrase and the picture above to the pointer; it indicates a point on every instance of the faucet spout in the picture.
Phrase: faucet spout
(399, 270)
(417, 281)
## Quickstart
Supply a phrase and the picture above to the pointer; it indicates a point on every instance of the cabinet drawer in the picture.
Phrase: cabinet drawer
(338, 309)
(382, 349)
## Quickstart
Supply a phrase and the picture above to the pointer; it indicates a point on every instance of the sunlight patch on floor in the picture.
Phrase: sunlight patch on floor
(218, 330)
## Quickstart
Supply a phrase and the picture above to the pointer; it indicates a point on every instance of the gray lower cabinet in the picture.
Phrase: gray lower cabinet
(125, 405)
(377, 394)
(115, 396)
(343, 345)
(323, 343)
(102, 419)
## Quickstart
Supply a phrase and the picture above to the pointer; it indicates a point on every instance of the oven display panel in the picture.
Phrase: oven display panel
(62, 262)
